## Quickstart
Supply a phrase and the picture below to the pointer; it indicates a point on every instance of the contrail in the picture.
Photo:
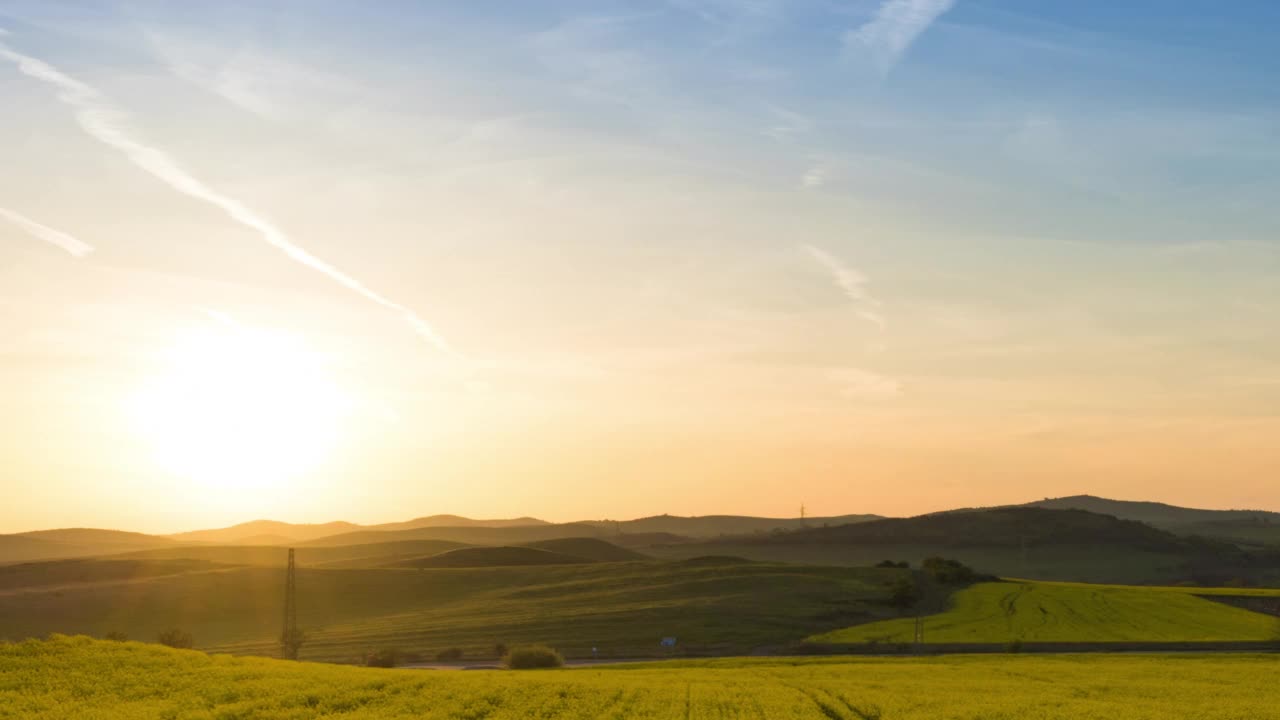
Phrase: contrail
(895, 26)
(105, 123)
(852, 282)
(48, 234)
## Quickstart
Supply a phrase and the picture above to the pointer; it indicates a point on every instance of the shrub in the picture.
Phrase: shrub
(1013, 646)
(904, 593)
(950, 572)
(115, 636)
(529, 657)
(500, 650)
(385, 657)
(177, 638)
(452, 654)
(891, 564)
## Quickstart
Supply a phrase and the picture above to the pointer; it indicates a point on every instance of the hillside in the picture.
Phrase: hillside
(1020, 542)
(621, 608)
(715, 525)
(55, 573)
(473, 535)
(369, 555)
(501, 556)
(546, 552)
(1000, 527)
(588, 549)
(1157, 514)
(74, 542)
(1000, 612)
(78, 677)
(272, 532)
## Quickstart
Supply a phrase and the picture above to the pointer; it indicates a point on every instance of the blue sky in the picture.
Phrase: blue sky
(790, 248)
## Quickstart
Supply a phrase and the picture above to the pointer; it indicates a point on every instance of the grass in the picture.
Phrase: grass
(1000, 612)
(78, 677)
(1081, 563)
(719, 606)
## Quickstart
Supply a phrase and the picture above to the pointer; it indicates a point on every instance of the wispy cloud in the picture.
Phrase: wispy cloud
(815, 176)
(886, 37)
(105, 123)
(852, 282)
(44, 232)
(856, 382)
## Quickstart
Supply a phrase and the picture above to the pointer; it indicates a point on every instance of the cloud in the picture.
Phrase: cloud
(856, 382)
(46, 233)
(886, 37)
(852, 282)
(106, 124)
(815, 176)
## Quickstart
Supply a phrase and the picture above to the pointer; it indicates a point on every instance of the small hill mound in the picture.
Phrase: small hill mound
(1161, 515)
(587, 549)
(471, 535)
(1001, 612)
(345, 556)
(714, 561)
(89, 571)
(706, 526)
(1000, 527)
(503, 556)
(73, 542)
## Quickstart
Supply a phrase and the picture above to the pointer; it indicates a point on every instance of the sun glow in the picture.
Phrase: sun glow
(236, 409)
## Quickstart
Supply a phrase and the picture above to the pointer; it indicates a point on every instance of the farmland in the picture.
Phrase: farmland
(711, 605)
(1000, 612)
(47, 680)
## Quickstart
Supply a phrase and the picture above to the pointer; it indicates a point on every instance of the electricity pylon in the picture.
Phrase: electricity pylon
(291, 636)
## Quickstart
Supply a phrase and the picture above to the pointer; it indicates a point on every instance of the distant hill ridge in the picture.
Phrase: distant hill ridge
(997, 527)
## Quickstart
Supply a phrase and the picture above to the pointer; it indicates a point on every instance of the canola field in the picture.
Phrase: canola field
(77, 677)
(1002, 612)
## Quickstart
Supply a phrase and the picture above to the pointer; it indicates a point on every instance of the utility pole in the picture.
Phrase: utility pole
(290, 637)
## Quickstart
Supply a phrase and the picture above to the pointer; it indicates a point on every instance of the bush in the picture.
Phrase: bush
(385, 657)
(949, 572)
(904, 593)
(500, 650)
(891, 564)
(1014, 646)
(452, 654)
(529, 657)
(177, 638)
(115, 636)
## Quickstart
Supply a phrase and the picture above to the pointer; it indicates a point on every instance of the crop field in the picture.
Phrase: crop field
(624, 609)
(78, 677)
(1000, 612)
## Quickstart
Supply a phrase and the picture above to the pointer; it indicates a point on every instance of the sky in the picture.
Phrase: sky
(580, 260)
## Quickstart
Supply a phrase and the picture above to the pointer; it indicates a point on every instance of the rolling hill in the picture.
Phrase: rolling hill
(715, 525)
(1000, 527)
(565, 551)
(368, 555)
(588, 549)
(471, 535)
(1020, 542)
(74, 542)
(1001, 612)
(499, 556)
(1156, 514)
(621, 608)
(254, 532)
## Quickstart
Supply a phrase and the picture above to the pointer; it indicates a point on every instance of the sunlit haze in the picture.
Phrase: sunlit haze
(579, 260)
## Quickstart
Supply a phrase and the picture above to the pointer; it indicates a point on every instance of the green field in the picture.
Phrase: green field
(82, 678)
(1000, 612)
(711, 606)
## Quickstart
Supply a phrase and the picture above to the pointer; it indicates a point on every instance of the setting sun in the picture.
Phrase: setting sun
(238, 409)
